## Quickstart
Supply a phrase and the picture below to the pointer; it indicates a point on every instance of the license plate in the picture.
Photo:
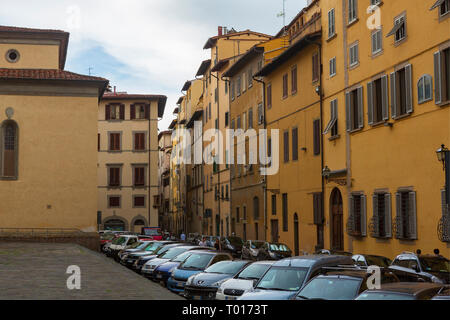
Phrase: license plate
(180, 284)
(196, 297)
(230, 298)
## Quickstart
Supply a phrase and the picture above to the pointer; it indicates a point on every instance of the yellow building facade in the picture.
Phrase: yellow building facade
(48, 165)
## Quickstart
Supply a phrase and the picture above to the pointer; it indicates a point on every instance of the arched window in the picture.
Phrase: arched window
(9, 148)
(425, 88)
(114, 225)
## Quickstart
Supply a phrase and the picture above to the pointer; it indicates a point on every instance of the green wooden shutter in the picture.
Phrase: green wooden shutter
(409, 97)
(384, 98)
(398, 218)
(348, 111)
(363, 216)
(437, 78)
(370, 110)
(388, 216)
(412, 216)
(393, 95)
(375, 217)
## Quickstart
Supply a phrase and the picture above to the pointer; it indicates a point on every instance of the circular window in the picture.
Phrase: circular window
(12, 56)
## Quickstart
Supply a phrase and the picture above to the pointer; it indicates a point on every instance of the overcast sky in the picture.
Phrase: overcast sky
(145, 46)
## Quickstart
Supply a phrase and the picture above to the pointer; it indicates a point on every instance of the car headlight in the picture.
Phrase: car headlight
(190, 279)
(220, 290)
(218, 283)
(230, 247)
(172, 273)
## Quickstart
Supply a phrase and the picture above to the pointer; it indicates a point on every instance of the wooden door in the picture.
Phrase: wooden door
(337, 221)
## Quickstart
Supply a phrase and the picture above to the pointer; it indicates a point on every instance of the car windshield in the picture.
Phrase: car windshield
(172, 253)
(161, 250)
(154, 246)
(182, 257)
(235, 241)
(119, 241)
(384, 296)
(378, 261)
(286, 279)
(226, 267)
(435, 264)
(196, 262)
(137, 245)
(253, 271)
(278, 247)
(330, 289)
(257, 245)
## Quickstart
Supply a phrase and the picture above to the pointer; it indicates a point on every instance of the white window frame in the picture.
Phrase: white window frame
(332, 67)
(356, 55)
(421, 88)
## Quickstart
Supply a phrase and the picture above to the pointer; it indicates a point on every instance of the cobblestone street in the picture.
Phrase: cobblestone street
(38, 271)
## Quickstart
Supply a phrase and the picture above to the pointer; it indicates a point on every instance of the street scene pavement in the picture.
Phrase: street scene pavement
(38, 271)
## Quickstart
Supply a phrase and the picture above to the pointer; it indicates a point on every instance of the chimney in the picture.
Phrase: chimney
(114, 90)
(220, 31)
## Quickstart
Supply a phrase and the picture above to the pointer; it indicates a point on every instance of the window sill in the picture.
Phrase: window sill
(443, 104)
(334, 137)
(444, 16)
(351, 23)
(403, 116)
(425, 101)
(9, 178)
(355, 130)
(331, 37)
(353, 66)
(377, 54)
(378, 124)
(400, 42)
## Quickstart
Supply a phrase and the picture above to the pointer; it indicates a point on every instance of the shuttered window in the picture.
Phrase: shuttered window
(250, 118)
(381, 223)
(319, 217)
(274, 204)
(377, 41)
(285, 86)
(406, 215)
(250, 77)
(354, 54)
(316, 136)
(315, 67)
(356, 223)
(139, 141)
(352, 10)
(331, 23)
(139, 201)
(114, 142)
(442, 76)
(401, 92)
(285, 212)
(286, 146)
(114, 176)
(238, 86)
(377, 101)
(269, 96)
(139, 176)
(114, 202)
(333, 124)
(115, 112)
(294, 80)
(232, 84)
(295, 144)
(354, 109)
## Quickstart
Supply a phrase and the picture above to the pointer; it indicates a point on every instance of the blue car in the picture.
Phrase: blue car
(286, 277)
(194, 264)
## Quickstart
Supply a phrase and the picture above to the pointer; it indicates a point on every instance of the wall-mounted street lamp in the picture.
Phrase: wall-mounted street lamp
(326, 172)
(442, 154)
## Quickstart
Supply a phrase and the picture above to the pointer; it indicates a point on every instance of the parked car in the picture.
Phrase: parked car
(244, 281)
(163, 272)
(106, 237)
(274, 251)
(250, 249)
(204, 285)
(428, 268)
(403, 291)
(121, 243)
(139, 259)
(366, 260)
(149, 267)
(194, 264)
(443, 294)
(233, 245)
(340, 285)
(138, 246)
(286, 277)
(129, 258)
(335, 252)
(154, 232)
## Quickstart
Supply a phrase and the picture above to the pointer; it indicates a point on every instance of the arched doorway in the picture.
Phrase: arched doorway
(337, 220)
(114, 225)
(138, 225)
(296, 241)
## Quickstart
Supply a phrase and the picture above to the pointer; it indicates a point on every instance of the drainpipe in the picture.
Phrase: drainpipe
(264, 177)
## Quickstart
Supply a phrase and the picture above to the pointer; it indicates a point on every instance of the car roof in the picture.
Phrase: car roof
(406, 287)
(266, 262)
(346, 273)
(313, 260)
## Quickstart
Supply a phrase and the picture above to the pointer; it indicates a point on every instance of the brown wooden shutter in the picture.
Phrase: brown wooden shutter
(285, 85)
(363, 216)
(147, 111)
(108, 112)
(269, 96)
(370, 104)
(98, 141)
(118, 146)
(385, 98)
(375, 232)
(398, 219)
(438, 78)
(295, 144)
(409, 97)
(348, 109)
(388, 215)
(286, 146)
(393, 81)
(294, 80)
(360, 97)
(133, 112)
(122, 112)
(412, 216)
(316, 137)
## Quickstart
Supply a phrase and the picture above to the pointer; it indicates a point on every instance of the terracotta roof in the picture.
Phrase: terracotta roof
(8, 32)
(125, 96)
(180, 100)
(186, 86)
(45, 74)
(243, 60)
(219, 65)
(203, 67)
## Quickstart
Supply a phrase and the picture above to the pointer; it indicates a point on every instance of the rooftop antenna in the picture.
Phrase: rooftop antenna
(283, 14)
(90, 69)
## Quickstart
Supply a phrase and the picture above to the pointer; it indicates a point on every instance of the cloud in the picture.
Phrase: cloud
(144, 46)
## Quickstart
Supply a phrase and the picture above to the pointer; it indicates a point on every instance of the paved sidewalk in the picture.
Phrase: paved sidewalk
(38, 271)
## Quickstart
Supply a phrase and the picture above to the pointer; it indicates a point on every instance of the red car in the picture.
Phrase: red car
(153, 232)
